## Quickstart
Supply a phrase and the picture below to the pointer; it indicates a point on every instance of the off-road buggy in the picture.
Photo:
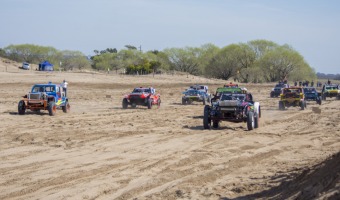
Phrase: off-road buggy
(44, 97)
(192, 95)
(231, 85)
(292, 96)
(141, 97)
(276, 91)
(233, 107)
(329, 91)
(203, 88)
(312, 95)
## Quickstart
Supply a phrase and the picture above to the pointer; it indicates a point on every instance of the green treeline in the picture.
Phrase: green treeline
(35, 54)
(255, 61)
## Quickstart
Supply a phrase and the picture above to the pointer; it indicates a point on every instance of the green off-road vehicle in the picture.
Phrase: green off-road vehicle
(232, 107)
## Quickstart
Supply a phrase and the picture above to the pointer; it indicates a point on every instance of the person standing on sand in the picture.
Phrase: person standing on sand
(64, 86)
(152, 90)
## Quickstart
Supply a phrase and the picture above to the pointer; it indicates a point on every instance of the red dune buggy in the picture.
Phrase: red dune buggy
(141, 97)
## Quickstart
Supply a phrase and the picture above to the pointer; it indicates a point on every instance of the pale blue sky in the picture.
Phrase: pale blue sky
(312, 27)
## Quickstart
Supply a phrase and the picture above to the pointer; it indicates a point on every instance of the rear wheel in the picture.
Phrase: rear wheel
(215, 124)
(259, 111)
(21, 107)
(159, 103)
(281, 105)
(125, 103)
(52, 108)
(184, 101)
(149, 103)
(37, 111)
(302, 105)
(250, 121)
(256, 120)
(206, 117)
(319, 101)
(66, 108)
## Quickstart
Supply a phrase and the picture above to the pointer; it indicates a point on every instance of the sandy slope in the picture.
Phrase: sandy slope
(100, 151)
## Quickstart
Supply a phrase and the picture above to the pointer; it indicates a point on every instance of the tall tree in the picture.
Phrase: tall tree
(224, 65)
(74, 60)
(260, 47)
(183, 59)
(279, 63)
(246, 58)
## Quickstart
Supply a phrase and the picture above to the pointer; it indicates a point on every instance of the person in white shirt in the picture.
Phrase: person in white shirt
(64, 86)
(152, 90)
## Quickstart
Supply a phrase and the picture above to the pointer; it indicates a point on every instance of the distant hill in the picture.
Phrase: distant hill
(328, 76)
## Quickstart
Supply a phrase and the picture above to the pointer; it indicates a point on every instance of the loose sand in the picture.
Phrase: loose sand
(100, 151)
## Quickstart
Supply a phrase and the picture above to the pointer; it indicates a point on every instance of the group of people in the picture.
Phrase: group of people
(304, 83)
(311, 84)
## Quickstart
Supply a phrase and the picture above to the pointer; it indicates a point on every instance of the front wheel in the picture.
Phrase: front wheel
(206, 117)
(21, 107)
(250, 121)
(66, 108)
(52, 108)
(159, 103)
(125, 103)
(215, 124)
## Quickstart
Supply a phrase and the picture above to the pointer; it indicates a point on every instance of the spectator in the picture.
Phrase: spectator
(64, 86)
(312, 84)
(152, 90)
